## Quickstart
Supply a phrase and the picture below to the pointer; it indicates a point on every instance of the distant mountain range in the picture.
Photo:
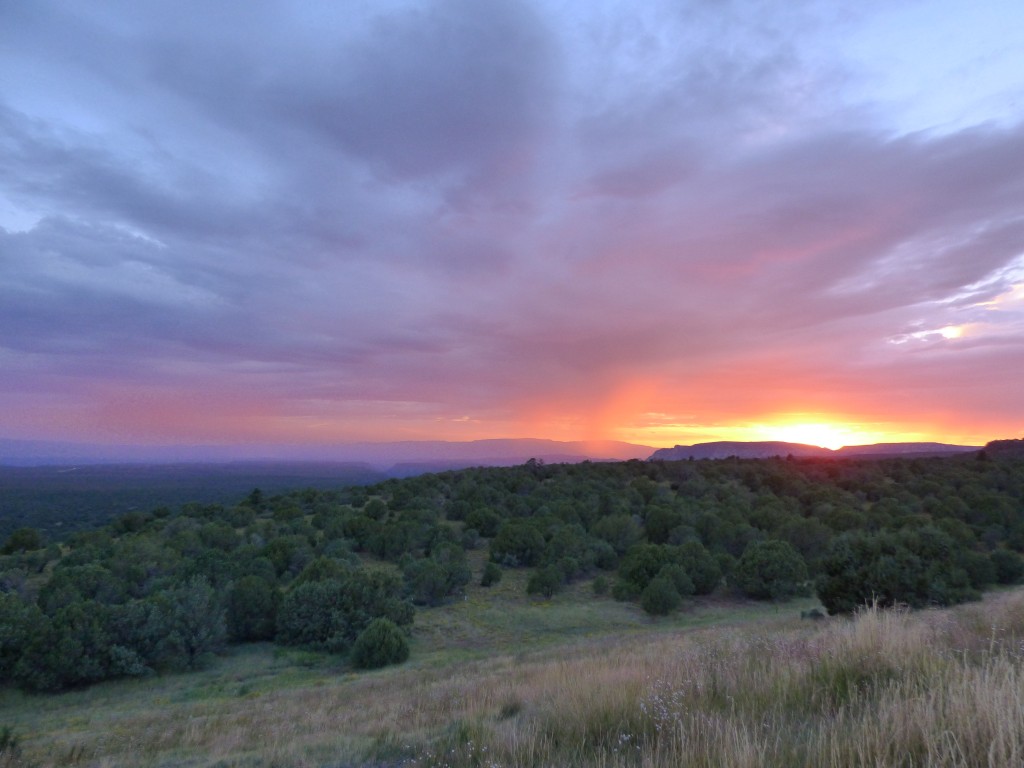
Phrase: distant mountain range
(769, 449)
(399, 459)
(408, 458)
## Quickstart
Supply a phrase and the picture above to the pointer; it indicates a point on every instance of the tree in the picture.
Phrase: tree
(518, 542)
(329, 615)
(701, 567)
(19, 623)
(312, 614)
(380, 644)
(659, 522)
(73, 648)
(252, 609)
(491, 574)
(620, 531)
(426, 581)
(1009, 566)
(545, 581)
(196, 623)
(660, 597)
(642, 563)
(484, 520)
(770, 570)
(452, 559)
(912, 566)
(321, 569)
(22, 540)
(978, 566)
(680, 579)
(376, 509)
(429, 580)
(71, 583)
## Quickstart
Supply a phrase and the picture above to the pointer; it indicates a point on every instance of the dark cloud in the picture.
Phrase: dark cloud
(454, 87)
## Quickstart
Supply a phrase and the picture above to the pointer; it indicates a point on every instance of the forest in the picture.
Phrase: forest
(60, 500)
(345, 571)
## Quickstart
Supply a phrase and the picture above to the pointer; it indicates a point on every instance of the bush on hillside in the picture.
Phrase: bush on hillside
(1009, 566)
(770, 570)
(701, 567)
(252, 609)
(329, 615)
(545, 581)
(915, 567)
(380, 644)
(517, 543)
(491, 575)
(660, 597)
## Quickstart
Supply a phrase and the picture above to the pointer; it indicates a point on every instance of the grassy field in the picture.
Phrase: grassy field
(498, 679)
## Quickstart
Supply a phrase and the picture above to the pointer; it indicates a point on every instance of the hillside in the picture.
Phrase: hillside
(468, 565)
(657, 534)
(503, 680)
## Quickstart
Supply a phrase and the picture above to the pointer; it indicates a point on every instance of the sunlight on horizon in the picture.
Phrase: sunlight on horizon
(825, 435)
(806, 429)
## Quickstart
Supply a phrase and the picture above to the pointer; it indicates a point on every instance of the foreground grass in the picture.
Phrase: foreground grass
(509, 682)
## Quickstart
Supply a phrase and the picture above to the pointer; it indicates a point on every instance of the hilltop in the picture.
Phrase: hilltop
(1005, 449)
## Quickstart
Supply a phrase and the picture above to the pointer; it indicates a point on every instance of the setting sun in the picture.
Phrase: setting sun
(824, 434)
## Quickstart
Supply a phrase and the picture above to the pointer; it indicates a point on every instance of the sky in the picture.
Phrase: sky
(660, 222)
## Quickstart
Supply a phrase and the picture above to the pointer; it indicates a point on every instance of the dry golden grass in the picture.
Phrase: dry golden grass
(888, 688)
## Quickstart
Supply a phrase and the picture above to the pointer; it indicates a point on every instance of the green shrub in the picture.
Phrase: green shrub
(1009, 566)
(912, 566)
(425, 582)
(980, 569)
(660, 597)
(22, 540)
(491, 575)
(643, 562)
(679, 577)
(252, 609)
(770, 570)
(701, 566)
(625, 590)
(329, 615)
(380, 644)
(545, 581)
(517, 543)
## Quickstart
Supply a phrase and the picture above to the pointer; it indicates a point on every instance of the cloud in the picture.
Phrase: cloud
(496, 217)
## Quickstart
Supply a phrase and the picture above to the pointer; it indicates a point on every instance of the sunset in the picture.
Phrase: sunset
(519, 383)
(274, 224)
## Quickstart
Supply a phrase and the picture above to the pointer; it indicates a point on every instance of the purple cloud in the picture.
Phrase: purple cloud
(464, 219)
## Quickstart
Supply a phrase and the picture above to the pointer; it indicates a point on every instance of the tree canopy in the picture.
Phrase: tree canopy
(166, 590)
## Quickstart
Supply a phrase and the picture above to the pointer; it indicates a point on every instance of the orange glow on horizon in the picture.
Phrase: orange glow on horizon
(817, 429)
(824, 435)
(641, 410)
